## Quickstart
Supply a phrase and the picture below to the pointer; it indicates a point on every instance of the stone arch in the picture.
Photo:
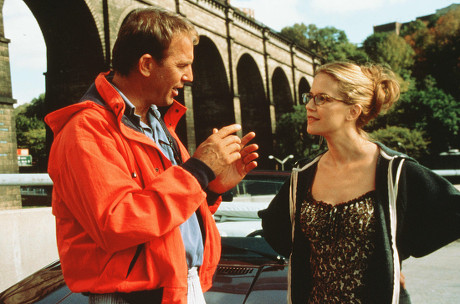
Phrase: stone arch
(212, 99)
(126, 11)
(72, 40)
(255, 108)
(282, 97)
(99, 22)
(304, 87)
(115, 26)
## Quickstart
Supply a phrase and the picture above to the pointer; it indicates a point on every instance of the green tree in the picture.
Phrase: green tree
(391, 49)
(438, 50)
(329, 42)
(418, 35)
(428, 109)
(297, 33)
(410, 142)
(31, 132)
(444, 55)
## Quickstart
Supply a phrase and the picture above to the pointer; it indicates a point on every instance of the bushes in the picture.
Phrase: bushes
(410, 142)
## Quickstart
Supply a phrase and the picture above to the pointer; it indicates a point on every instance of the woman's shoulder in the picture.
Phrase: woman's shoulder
(390, 153)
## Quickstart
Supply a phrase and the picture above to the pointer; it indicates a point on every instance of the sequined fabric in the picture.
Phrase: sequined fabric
(342, 240)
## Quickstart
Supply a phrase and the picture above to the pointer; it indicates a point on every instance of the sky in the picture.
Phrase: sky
(355, 17)
(27, 51)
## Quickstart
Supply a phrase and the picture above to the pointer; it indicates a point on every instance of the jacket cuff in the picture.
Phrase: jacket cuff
(211, 197)
(200, 171)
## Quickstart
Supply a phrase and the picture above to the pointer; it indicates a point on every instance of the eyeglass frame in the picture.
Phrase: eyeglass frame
(306, 97)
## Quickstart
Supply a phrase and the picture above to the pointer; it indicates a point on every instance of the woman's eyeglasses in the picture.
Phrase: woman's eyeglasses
(318, 99)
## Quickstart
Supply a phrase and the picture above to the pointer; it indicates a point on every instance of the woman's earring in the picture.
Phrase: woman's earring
(321, 139)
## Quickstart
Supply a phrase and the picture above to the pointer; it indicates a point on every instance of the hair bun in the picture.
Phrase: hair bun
(386, 88)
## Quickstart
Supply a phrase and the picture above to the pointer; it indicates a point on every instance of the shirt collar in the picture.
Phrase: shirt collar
(130, 108)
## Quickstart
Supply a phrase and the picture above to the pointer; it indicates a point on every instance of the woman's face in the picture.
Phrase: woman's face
(329, 117)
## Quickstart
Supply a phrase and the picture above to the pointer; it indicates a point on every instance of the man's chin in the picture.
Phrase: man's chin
(165, 103)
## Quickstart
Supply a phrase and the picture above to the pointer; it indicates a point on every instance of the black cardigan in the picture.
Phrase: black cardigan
(428, 218)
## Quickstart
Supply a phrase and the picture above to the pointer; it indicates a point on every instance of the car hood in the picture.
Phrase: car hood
(248, 284)
(249, 271)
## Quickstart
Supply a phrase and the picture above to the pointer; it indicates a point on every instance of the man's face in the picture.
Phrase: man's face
(173, 71)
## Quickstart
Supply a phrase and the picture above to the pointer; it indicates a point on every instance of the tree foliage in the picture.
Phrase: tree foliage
(410, 142)
(437, 48)
(329, 42)
(31, 132)
(391, 49)
(429, 109)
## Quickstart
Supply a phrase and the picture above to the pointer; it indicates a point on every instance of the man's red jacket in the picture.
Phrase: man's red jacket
(113, 191)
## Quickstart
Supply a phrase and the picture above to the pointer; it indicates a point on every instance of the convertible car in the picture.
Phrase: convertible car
(250, 271)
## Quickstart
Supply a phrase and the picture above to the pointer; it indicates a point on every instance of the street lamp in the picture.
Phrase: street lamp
(281, 161)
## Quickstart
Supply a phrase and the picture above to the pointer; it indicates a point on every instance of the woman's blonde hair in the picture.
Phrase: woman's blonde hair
(372, 86)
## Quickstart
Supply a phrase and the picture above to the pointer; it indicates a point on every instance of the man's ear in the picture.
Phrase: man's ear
(354, 112)
(145, 65)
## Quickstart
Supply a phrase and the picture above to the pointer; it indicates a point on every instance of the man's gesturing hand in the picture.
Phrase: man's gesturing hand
(220, 149)
(234, 173)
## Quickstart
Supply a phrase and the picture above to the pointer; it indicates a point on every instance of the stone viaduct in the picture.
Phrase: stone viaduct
(244, 71)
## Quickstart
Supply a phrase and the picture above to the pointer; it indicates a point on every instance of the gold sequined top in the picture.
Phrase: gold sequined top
(342, 240)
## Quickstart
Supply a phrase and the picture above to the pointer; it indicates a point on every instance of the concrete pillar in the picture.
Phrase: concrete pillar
(190, 119)
(273, 118)
(237, 109)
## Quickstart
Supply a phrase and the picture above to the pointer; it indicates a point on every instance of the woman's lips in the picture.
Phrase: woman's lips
(311, 119)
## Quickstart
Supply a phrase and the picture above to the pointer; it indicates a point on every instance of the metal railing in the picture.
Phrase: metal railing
(447, 172)
(43, 179)
(25, 179)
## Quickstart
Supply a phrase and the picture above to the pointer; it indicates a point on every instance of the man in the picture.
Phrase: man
(133, 210)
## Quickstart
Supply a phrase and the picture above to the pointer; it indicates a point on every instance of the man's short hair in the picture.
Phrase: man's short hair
(148, 31)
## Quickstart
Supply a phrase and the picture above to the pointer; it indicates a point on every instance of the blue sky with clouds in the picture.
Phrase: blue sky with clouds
(355, 17)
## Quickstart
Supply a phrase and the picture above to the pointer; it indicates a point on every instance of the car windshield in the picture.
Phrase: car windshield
(255, 189)
(237, 214)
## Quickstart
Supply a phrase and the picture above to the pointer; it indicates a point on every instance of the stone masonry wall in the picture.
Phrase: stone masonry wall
(10, 196)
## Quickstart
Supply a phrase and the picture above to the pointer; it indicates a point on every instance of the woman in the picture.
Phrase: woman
(350, 216)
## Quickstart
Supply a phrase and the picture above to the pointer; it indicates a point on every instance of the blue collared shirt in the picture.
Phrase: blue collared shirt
(190, 230)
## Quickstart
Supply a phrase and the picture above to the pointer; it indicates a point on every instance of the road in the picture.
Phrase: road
(435, 278)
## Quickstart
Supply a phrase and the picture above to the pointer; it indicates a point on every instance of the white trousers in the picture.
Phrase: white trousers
(106, 298)
(194, 294)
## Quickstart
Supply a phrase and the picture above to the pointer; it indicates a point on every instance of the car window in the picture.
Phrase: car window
(255, 185)
(237, 215)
